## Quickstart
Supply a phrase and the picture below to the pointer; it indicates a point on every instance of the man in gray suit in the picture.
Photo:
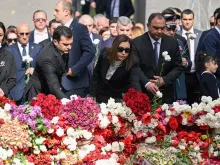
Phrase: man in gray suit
(192, 36)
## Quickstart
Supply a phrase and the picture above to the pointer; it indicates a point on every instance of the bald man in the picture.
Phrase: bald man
(21, 49)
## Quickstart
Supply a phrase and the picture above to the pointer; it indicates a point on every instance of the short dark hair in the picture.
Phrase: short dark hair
(53, 21)
(177, 10)
(187, 12)
(154, 15)
(104, 29)
(62, 31)
(168, 11)
(216, 11)
(218, 17)
(112, 52)
(113, 20)
(38, 11)
(2, 26)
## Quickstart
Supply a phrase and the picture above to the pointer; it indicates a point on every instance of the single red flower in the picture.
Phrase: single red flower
(146, 118)
(173, 123)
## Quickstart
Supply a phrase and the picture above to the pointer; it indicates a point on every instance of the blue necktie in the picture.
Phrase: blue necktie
(155, 51)
(24, 53)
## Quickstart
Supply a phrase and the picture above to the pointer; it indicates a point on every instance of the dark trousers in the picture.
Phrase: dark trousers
(82, 92)
(192, 88)
(86, 8)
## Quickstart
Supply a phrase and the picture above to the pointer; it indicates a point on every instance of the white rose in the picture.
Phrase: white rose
(192, 36)
(159, 94)
(164, 54)
(60, 132)
(55, 120)
(43, 148)
(96, 41)
(167, 58)
(40, 140)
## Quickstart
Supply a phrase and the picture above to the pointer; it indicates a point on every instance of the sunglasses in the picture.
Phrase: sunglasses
(121, 49)
(40, 20)
(10, 40)
(22, 34)
(212, 23)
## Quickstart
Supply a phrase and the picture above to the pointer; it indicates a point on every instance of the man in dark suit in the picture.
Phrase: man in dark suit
(21, 49)
(53, 24)
(51, 66)
(211, 45)
(192, 36)
(40, 32)
(81, 54)
(148, 50)
(117, 8)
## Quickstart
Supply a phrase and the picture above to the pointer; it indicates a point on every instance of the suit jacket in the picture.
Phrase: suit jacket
(125, 8)
(211, 46)
(100, 6)
(45, 42)
(31, 39)
(47, 75)
(107, 43)
(7, 71)
(80, 56)
(143, 50)
(34, 49)
(119, 83)
(200, 48)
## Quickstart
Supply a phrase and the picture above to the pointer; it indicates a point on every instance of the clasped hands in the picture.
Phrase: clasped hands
(70, 73)
(154, 84)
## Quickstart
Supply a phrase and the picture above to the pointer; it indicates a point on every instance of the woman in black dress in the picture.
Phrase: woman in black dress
(7, 66)
(115, 71)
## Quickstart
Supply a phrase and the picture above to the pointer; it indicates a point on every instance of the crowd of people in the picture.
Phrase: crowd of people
(104, 56)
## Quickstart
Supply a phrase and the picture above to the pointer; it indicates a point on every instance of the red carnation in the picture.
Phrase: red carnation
(146, 118)
(173, 123)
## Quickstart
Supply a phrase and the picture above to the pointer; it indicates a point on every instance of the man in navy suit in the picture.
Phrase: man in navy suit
(81, 55)
(23, 48)
(96, 40)
(40, 32)
(211, 45)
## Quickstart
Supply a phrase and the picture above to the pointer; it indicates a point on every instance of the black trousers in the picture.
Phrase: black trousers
(192, 88)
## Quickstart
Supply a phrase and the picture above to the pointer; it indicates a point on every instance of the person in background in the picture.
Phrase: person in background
(7, 66)
(113, 26)
(105, 33)
(207, 65)
(212, 22)
(101, 23)
(178, 18)
(95, 21)
(53, 24)
(11, 36)
(20, 50)
(136, 32)
(40, 22)
(113, 73)
(140, 25)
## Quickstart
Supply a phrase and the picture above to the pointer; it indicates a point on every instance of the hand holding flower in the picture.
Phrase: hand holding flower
(158, 81)
(29, 71)
(184, 61)
(152, 87)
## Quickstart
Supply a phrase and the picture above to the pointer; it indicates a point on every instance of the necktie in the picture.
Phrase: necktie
(188, 41)
(24, 53)
(156, 51)
(112, 9)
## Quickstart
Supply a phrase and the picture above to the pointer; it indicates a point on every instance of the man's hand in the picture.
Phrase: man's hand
(152, 87)
(158, 81)
(93, 5)
(1, 92)
(29, 71)
(70, 73)
(184, 62)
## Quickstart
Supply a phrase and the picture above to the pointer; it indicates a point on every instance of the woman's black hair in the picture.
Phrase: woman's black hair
(202, 59)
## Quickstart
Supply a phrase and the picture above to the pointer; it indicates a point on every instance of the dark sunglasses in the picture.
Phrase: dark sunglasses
(10, 40)
(40, 20)
(120, 49)
(22, 34)
(212, 23)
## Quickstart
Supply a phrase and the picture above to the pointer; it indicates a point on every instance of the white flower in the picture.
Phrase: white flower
(192, 36)
(65, 101)
(96, 41)
(108, 147)
(70, 131)
(40, 140)
(206, 99)
(73, 97)
(71, 147)
(7, 107)
(167, 58)
(159, 94)
(87, 135)
(55, 120)
(104, 122)
(50, 130)
(43, 148)
(181, 147)
(115, 147)
(27, 59)
(165, 53)
(104, 109)
(150, 140)
(114, 119)
(60, 132)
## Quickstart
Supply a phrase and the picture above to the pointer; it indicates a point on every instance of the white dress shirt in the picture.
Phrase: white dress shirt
(21, 49)
(191, 48)
(40, 36)
(217, 29)
(69, 23)
(115, 8)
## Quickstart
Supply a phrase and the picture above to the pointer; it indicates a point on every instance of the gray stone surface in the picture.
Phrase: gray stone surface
(17, 11)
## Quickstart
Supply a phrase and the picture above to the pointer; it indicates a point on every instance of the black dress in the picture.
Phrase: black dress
(7, 71)
(209, 85)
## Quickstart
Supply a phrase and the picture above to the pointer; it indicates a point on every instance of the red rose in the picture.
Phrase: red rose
(146, 118)
(173, 123)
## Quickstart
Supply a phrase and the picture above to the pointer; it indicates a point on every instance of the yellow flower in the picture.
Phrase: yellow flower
(204, 137)
(187, 114)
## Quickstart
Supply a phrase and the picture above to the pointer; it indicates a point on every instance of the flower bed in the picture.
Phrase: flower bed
(79, 131)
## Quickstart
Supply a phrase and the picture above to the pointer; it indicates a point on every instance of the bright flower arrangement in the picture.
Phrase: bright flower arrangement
(80, 131)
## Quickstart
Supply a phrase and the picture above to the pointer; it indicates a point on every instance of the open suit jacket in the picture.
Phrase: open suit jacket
(143, 50)
(47, 75)
(34, 49)
(32, 35)
(80, 56)
(125, 8)
(119, 83)
(7, 71)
